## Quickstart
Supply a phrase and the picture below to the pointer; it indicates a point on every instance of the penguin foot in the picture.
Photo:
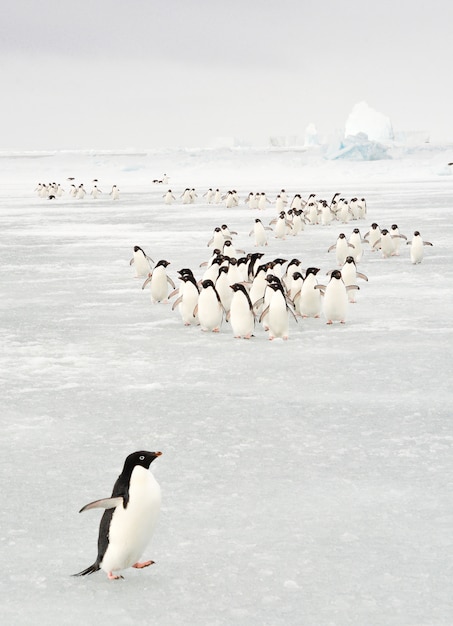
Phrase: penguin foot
(111, 576)
(329, 322)
(142, 565)
(216, 330)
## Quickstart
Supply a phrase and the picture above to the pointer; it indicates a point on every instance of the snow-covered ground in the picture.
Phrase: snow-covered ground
(305, 482)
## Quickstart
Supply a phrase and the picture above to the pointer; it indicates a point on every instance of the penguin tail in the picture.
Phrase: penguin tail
(89, 570)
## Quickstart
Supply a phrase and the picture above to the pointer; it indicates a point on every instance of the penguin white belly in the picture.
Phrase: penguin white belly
(335, 302)
(131, 529)
(141, 264)
(310, 303)
(260, 235)
(209, 310)
(277, 318)
(241, 318)
(342, 251)
(159, 285)
(188, 304)
(416, 250)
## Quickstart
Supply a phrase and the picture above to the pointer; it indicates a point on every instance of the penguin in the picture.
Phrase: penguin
(115, 193)
(279, 203)
(372, 236)
(354, 208)
(227, 233)
(129, 519)
(326, 214)
(297, 280)
(141, 261)
(95, 192)
(355, 239)
(341, 248)
(350, 274)
(277, 313)
(397, 236)
(188, 298)
(296, 202)
(241, 315)
(252, 200)
(416, 245)
(230, 250)
(159, 282)
(312, 214)
(298, 221)
(282, 225)
(309, 302)
(344, 212)
(362, 208)
(259, 284)
(168, 197)
(217, 196)
(81, 192)
(209, 195)
(217, 240)
(386, 244)
(186, 196)
(335, 304)
(259, 232)
(209, 308)
(230, 200)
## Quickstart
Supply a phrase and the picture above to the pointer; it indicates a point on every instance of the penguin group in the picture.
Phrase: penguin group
(248, 292)
(53, 191)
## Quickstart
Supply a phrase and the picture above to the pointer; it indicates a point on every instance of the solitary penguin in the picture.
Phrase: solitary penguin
(128, 522)
(416, 245)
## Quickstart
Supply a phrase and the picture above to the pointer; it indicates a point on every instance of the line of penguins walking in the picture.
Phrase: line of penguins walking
(52, 191)
(241, 288)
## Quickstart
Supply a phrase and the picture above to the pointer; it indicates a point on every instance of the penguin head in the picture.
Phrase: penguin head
(341, 236)
(297, 276)
(207, 283)
(349, 259)
(416, 233)
(238, 287)
(384, 232)
(336, 274)
(137, 248)
(356, 231)
(185, 271)
(257, 220)
(311, 270)
(162, 263)
(394, 227)
(374, 226)
(142, 457)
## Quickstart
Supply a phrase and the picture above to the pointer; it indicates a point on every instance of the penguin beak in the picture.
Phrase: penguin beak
(157, 453)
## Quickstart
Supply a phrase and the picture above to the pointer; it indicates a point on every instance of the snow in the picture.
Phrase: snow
(303, 482)
(365, 119)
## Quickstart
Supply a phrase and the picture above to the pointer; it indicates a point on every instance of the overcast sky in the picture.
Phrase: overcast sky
(156, 73)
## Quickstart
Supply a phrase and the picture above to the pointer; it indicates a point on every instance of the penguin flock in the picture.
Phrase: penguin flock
(52, 191)
(247, 292)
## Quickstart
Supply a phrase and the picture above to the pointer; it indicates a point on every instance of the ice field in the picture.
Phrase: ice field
(305, 482)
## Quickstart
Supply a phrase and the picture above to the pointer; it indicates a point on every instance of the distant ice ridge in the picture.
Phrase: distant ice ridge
(357, 148)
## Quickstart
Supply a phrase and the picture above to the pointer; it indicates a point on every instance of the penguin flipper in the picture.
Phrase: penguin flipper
(170, 282)
(263, 314)
(362, 276)
(176, 302)
(131, 262)
(104, 503)
(89, 570)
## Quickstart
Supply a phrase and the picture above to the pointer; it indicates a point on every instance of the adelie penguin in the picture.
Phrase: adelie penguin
(241, 315)
(335, 304)
(130, 517)
(159, 282)
(416, 245)
(141, 261)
